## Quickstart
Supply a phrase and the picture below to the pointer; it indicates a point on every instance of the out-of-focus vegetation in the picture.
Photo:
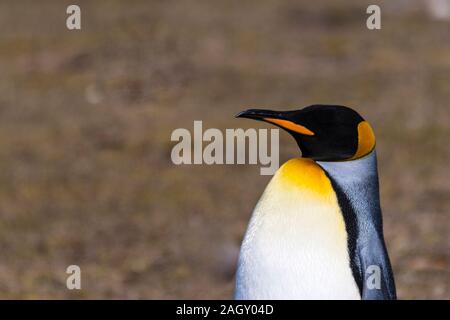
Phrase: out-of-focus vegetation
(86, 118)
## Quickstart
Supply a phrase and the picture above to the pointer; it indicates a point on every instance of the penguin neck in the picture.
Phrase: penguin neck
(358, 182)
(360, 172)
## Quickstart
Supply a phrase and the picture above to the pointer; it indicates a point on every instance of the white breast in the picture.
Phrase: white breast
(295, 247)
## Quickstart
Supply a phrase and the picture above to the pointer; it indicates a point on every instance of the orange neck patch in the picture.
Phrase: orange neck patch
(307, 175)
(366, 140)
(291, 126)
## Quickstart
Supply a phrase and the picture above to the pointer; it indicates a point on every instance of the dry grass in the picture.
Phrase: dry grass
(86, 117)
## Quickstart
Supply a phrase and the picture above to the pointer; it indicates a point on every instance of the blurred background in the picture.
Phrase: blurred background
(86, 117)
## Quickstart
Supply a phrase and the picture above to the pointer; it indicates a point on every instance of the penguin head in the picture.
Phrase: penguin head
(322, 132)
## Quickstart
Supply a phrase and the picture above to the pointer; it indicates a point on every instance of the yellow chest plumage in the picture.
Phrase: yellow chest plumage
(306, 176)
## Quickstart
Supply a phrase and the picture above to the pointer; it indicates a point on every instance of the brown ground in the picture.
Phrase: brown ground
(86, 118)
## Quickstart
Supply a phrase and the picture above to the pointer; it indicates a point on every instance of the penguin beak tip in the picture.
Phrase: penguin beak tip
(260, 114)
(244, 114)
(239, 115)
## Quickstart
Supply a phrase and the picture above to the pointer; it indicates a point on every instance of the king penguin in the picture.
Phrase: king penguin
(316, 232)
